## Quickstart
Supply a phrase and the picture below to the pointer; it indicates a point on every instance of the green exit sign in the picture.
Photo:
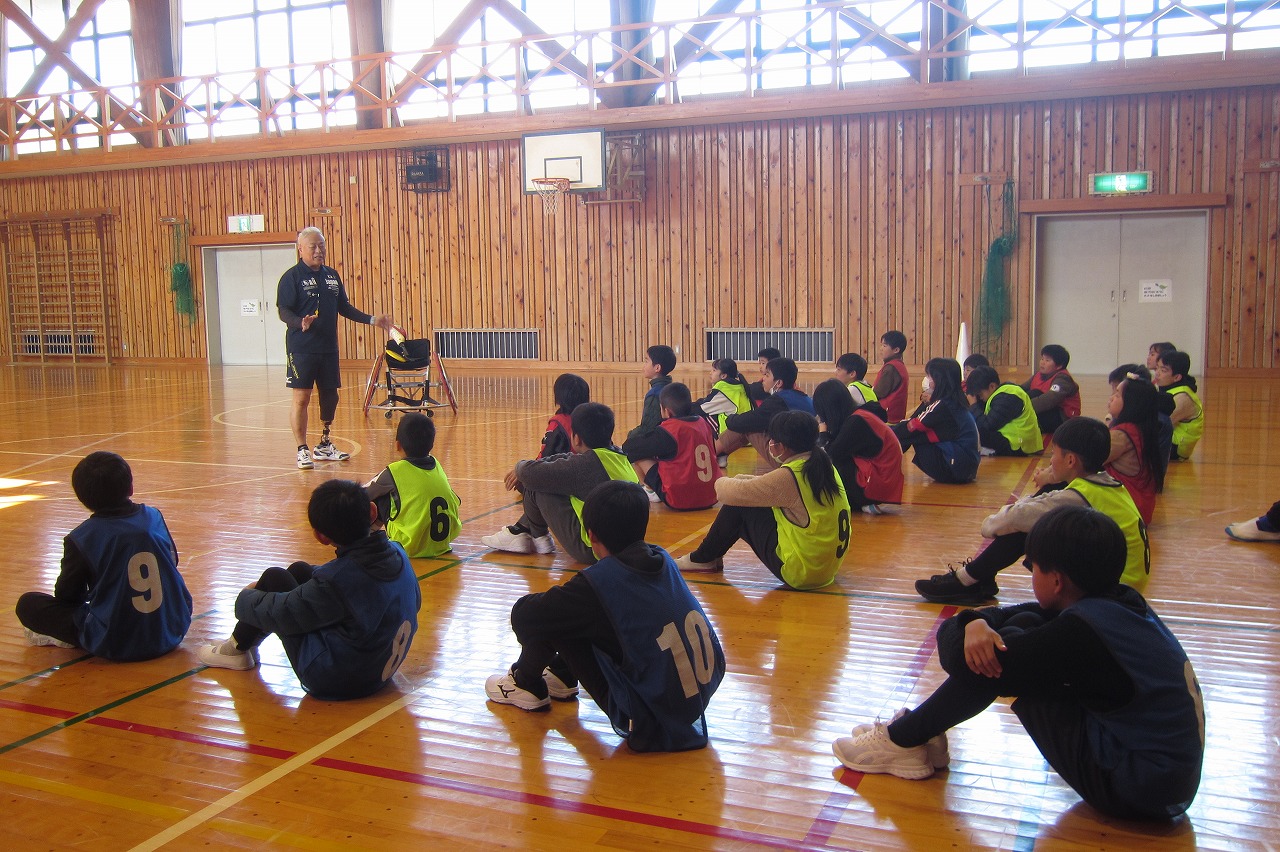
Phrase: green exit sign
(1119, 183)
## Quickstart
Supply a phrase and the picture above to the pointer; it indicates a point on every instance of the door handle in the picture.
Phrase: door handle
(1113, 297)
(1124, 295)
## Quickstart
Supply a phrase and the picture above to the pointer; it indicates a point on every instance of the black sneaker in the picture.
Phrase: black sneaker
(947, 588)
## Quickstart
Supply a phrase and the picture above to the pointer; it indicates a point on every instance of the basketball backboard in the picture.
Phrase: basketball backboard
(576, 155)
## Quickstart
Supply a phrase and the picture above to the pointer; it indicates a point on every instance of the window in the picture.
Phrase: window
(104, 49)
(223, 41)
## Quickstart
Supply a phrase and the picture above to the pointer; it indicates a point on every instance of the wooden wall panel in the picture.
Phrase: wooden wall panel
(862, 223)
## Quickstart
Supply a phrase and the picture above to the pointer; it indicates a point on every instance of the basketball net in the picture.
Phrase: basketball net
(550, 189)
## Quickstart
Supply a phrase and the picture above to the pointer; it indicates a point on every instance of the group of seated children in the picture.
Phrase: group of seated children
(627, 628)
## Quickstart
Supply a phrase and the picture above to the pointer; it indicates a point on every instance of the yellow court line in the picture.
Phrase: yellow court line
(696, 535)
(209, 812)
(166, 812)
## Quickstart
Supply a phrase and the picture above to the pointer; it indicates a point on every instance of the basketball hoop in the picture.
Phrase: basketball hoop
(550, 189)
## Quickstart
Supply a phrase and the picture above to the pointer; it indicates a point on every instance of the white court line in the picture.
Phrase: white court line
(296, 762)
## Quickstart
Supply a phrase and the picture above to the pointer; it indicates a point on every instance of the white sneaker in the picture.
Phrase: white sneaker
(651, 494)
(938, 749)
(214, 657)
(686, 565)
(502, 689)
(510, 542)
(304, 459)
(872, 751)
(43, 641)
(986, 451)
(558, 689)
(873, 509)
(326, 451)
(1249, 531)
(543, 544)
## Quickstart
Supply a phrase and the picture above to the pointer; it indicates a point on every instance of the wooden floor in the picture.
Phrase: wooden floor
(168, 754)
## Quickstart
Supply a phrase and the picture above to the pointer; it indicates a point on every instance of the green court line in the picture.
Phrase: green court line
(74, 720)
(42, 673)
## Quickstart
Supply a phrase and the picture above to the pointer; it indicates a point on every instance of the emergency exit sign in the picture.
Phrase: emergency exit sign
(1119, 183)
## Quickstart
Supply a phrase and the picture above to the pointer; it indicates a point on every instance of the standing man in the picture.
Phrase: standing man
(309, 299)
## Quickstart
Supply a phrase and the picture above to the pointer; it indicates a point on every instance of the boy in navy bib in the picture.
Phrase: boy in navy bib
(627, 629)
(119, 594)
(1101, 685)
(346, 625)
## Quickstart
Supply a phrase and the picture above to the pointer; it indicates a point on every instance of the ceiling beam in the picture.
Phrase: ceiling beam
(368, 38)
(10, 10)
(56, 52)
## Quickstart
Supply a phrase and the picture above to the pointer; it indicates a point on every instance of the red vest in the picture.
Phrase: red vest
(1141, 487)
(881, 477)
(895, 402)
(564, 421)
(1070, 405)
(689, 479)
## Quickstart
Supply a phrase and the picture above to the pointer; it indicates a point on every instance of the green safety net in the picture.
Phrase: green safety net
(184, 299)
(993, 302)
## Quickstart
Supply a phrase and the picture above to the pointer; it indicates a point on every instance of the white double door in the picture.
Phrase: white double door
(1108, 286)
(245, 280)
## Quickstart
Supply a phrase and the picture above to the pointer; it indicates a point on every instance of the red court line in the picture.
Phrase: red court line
(832, 812)
(24, 707)
(569, 806)
(150, 730)
(197, 739)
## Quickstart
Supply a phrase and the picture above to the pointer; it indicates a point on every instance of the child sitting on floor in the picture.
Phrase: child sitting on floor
(1164, 402)
(1173, 376)
(1005, 417)
(973, 362)
(862, 447)
(851, 369)
(779, 382)
(1074, 477)
(569, 391)
(677, 461)
(942, 430)
(1054, 394)
(555, 487)
(1135, 458)
(1101, 685)
(627, 629)
(794, 518)
(893, 378)
(1155, 350)
(119, 594)
(728, 393)
(658, 364)
(346, 625)
(415, 503)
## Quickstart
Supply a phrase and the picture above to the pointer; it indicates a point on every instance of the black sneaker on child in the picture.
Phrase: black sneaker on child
(947, 588)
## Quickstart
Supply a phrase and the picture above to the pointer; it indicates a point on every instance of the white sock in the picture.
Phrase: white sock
(964, 577)
(228, 648)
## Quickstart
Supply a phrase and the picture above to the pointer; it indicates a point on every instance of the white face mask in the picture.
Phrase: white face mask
(926, 385)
